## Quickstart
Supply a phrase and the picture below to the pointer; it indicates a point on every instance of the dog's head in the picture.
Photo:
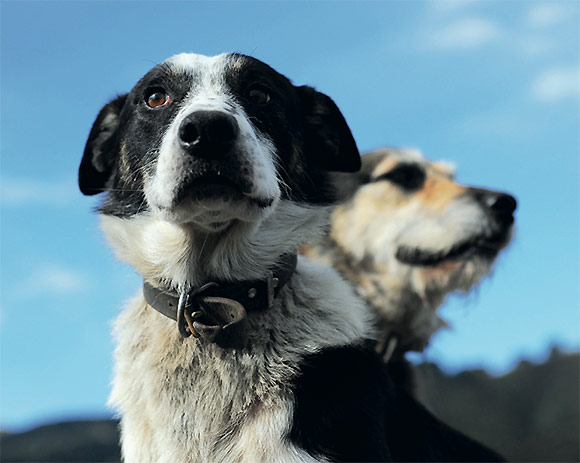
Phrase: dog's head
(215, 144)
(418, 230)
(409, 214)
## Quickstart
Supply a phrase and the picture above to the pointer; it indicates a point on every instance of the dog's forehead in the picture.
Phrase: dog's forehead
(444, 168)
(389, 158)
(194, 65)
(211, 70)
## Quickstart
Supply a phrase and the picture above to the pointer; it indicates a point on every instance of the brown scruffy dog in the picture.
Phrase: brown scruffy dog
(407, 236)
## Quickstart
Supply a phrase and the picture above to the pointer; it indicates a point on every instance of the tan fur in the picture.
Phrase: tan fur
(439, 192)
(377, 217)
(124, 166)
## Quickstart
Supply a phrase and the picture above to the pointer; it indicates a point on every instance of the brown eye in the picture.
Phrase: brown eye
(157, 97)
(258, 95)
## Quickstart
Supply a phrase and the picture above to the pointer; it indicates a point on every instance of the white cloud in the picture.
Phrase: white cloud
(536, 45)
(61, 280)
(557, 84)
(543, 15)
(18, 192)
(507, 124)
(52, 279)
(464, 34)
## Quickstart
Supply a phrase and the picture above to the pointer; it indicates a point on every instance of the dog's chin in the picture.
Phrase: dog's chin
(477, 249)
(216, 209)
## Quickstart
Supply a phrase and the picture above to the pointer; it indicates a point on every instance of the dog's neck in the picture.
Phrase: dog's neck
(180, 257)
(403, 309)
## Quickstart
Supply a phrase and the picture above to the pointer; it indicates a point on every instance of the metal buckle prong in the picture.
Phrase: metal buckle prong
(184, 318)
(271, 284)
(182, 322)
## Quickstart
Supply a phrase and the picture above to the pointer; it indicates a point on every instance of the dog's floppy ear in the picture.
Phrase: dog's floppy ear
(328, 138)
(98, 158)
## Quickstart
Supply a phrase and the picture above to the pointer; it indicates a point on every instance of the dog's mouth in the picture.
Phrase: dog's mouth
(218, 186)
(486, 247)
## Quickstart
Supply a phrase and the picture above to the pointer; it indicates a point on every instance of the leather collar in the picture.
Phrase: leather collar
(217, 311)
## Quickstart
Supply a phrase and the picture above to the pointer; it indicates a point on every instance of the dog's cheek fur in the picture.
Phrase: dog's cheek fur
(301, 179)
(130, 151)
(311, 143)
(136, 158)
(113, 155)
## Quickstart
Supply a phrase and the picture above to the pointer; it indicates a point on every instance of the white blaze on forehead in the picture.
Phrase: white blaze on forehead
(208, 89)
(207, 70)
(193, 62)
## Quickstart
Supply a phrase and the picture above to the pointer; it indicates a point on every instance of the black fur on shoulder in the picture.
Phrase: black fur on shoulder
(339, 406)
(348, 409)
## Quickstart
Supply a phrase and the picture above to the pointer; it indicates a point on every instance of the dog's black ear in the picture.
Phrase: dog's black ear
(328, 138)
(98, 158)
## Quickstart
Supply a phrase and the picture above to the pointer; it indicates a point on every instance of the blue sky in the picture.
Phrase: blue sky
(492, 86)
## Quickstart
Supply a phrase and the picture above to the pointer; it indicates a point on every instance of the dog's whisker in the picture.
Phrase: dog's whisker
(281, 172)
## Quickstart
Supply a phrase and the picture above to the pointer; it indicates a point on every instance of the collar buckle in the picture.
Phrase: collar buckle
(220, 316)
(271, 285)
(187, 299)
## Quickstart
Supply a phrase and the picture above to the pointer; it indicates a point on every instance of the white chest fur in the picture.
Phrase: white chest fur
(183, 400)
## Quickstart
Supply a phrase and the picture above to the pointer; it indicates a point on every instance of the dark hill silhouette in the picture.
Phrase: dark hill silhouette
(529, 414)
(71, 441)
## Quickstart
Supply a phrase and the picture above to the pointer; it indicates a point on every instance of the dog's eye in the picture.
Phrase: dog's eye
(156, 97)
(408, 176)
(259, 95)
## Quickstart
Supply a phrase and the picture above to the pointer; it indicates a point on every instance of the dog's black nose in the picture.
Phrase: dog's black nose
(209, 134)
(502, 205)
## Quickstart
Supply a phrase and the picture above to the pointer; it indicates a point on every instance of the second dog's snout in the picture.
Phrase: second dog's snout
(502, 205)
(210, 134)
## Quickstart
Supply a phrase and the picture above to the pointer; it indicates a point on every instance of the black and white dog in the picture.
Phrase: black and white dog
(215, 169)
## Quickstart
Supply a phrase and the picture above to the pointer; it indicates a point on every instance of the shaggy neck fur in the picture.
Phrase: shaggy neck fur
(186, 400)
(180, 257)
(227, 405)
(403, 310)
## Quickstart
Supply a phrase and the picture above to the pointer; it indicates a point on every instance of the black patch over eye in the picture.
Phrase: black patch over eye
(259, 95)
(156, 97)
(408, 176)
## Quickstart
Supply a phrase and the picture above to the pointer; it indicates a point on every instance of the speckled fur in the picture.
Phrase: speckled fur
(188, 401)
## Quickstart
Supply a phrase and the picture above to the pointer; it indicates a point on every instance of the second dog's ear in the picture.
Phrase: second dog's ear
(99, 156)
(327, 138)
